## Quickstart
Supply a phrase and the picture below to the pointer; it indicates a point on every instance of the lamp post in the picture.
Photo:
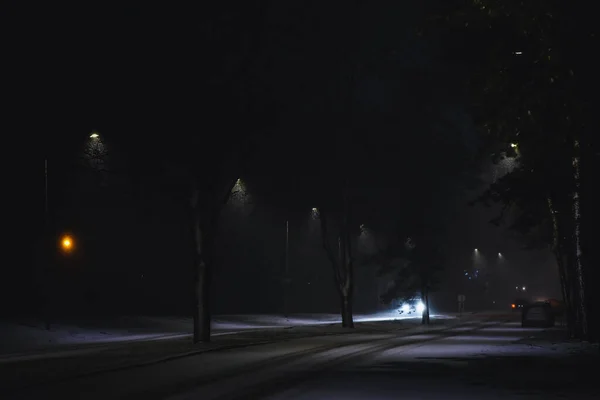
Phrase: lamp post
(286, 279)
(66, 243)
(47, 251)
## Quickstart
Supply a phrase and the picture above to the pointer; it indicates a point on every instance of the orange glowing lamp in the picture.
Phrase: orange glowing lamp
(66, 243)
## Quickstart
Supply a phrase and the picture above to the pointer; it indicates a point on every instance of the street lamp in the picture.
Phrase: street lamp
(315, 213)
(94, 135)
(67, 244)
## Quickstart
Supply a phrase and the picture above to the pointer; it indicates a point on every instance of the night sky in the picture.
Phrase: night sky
(154, 83)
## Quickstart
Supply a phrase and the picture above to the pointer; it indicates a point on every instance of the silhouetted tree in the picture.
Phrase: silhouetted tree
(209, 132)
(337, 236)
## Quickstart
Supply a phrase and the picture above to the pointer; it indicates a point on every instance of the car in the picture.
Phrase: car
(539, 314)
(410, 307)
(519, 304)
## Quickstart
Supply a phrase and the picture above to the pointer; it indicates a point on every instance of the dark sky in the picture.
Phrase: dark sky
(151, 79)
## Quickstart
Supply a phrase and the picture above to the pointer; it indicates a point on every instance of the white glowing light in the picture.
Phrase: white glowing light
(420, 307)
(315, 213)
(94, 136)
(405, 308)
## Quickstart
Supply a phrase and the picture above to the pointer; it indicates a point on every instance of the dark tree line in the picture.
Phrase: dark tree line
(529, 80)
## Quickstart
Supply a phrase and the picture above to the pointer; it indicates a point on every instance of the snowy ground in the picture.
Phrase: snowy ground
(31, 336)
(497, 362)
(69, 365)
(484, 358)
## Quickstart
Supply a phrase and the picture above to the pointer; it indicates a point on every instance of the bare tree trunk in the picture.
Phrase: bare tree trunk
(202, 320)
(346, 283)
(589, 222)
(578, 259)
(425, 315)
(562, 261)
(202, 273)
(346, 308)
(427, 307)
(342, 267)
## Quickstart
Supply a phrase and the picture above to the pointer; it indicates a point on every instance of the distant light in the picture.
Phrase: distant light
(94, 136)
(476, 250)
(66, 243)
(238, 182)
(518, 53)
(513, 145)
(513, 306)
(420, 307)
(315, 213)
(524, 288)
(499, 254)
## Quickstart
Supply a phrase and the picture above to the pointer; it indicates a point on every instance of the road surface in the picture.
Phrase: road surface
(20, 340)
(474, 361)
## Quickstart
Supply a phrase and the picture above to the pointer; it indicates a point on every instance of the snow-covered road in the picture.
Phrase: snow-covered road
(21, 340)
(494, 362)
(476, 361)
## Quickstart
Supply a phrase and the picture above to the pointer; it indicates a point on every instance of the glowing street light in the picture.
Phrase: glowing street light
(513, 145)
(94, 136)
(524, 288)
(67, 244)
(315, 213)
